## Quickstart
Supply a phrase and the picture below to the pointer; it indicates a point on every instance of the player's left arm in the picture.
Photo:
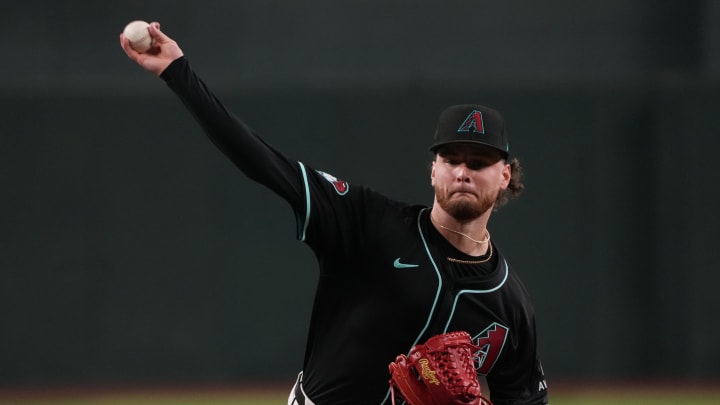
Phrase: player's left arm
(518, 377)
(518, 387)
(522, 384)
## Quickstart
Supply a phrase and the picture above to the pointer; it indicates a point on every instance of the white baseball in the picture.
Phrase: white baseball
(137, 33)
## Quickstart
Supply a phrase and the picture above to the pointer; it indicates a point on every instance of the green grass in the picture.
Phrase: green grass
(630, 398)
(625, 396)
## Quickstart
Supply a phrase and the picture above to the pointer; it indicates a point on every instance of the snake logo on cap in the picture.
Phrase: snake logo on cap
(473, 123)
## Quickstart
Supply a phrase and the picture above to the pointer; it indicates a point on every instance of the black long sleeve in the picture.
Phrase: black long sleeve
(251, 154)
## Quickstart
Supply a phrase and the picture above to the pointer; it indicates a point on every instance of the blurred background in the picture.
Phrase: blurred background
(132, 251)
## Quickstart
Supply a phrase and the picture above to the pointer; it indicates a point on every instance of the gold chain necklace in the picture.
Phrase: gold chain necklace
(454, 260)
(487, 233)
(486, 240)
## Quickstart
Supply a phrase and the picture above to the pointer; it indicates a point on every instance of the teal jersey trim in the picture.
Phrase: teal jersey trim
(486, 291)
(437, 293)
(302, 223)
(437, 273)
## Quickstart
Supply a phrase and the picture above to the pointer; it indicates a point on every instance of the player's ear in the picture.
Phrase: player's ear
(432, 172)
(506, 176)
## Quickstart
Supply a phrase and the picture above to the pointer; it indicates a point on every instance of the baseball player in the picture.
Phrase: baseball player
(391, 274)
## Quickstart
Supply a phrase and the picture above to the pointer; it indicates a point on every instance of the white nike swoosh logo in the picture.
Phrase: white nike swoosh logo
(398, 265)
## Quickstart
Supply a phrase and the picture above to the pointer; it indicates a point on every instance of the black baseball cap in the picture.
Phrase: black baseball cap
(471, 123)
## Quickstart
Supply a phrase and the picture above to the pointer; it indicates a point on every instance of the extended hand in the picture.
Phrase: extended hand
(156, 59)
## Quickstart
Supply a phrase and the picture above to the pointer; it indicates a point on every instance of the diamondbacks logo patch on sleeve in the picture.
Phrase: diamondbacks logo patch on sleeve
(340, 186)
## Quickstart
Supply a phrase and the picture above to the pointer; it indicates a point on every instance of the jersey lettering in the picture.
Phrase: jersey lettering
(491, 342)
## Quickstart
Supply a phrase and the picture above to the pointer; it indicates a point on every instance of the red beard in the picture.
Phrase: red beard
(465, 209)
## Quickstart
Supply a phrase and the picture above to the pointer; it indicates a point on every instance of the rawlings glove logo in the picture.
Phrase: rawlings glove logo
(439, 371)
(427, 373)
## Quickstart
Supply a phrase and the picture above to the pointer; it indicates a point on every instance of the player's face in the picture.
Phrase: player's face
(468, 178)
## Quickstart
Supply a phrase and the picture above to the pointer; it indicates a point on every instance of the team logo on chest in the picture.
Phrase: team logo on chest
(340, 186)
(490, 343)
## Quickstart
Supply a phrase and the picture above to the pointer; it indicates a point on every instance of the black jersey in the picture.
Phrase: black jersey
(388, 280)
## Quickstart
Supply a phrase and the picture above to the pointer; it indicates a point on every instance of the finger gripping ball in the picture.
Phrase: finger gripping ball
(137, 33)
